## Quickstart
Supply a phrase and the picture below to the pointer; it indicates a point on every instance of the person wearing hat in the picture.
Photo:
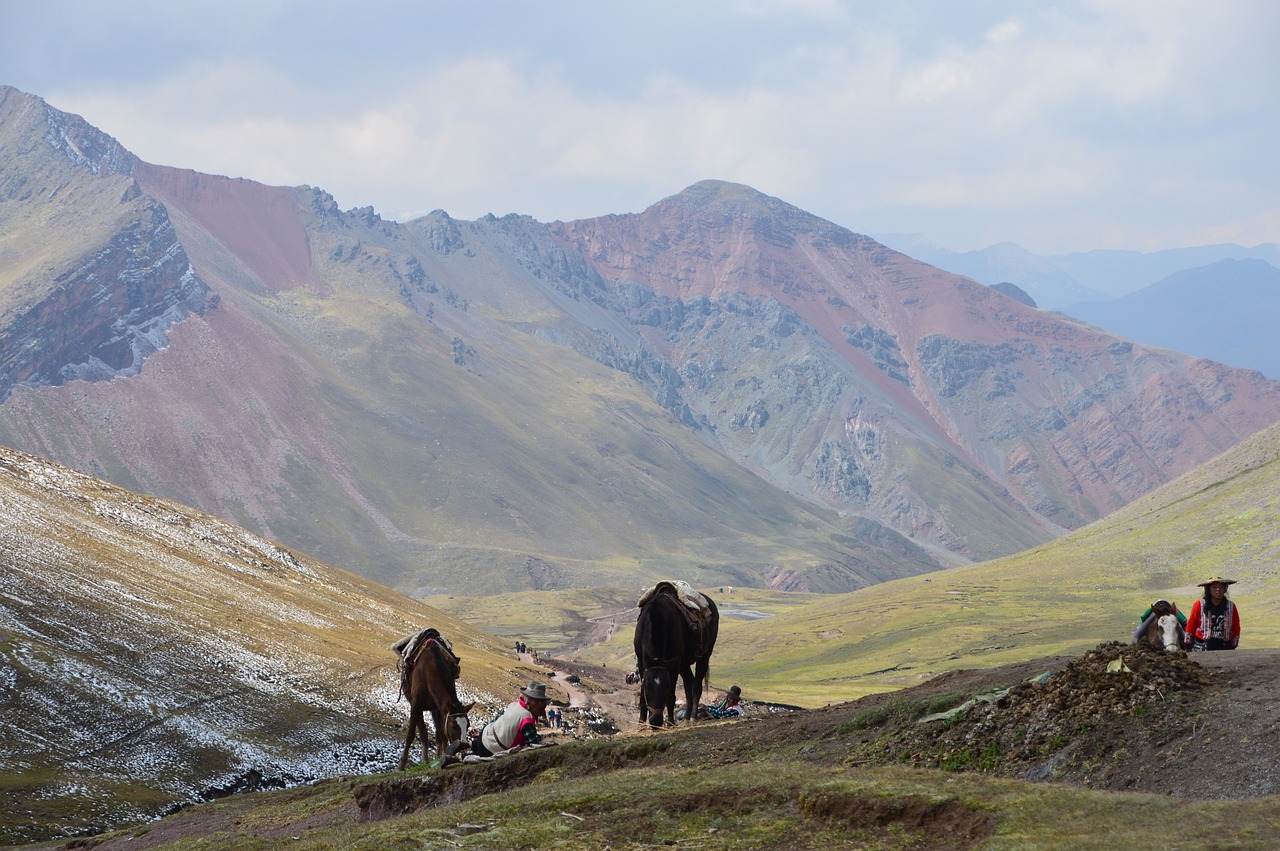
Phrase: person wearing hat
(1214, 622)
(728, 707)
(516, 727)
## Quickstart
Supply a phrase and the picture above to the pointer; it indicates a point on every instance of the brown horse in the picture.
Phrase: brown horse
(1163, 630)
(429, 681)
(671, 642)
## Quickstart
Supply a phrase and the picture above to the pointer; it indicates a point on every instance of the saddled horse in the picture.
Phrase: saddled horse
(1163, 629)
(429, 674)
(673, 640)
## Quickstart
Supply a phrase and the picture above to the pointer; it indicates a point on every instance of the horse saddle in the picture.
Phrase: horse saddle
(688, 596)
(411, 646)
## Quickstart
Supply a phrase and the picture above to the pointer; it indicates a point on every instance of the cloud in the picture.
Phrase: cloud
(1062, 126)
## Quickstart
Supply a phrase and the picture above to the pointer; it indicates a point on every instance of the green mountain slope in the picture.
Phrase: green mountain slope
(1063, 597)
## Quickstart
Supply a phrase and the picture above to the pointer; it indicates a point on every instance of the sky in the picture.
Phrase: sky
(1061, 126)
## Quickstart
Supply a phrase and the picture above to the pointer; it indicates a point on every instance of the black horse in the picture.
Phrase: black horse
(672, 641)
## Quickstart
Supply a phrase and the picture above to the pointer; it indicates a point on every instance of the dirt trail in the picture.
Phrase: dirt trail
(574, 694)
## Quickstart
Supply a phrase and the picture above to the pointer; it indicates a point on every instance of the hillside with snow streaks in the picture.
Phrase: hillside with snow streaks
(151, 655)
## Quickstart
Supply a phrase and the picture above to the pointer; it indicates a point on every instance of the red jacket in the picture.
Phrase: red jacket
(1199, 627)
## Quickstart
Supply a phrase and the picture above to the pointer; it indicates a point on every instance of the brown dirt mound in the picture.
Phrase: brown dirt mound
(1105, 720)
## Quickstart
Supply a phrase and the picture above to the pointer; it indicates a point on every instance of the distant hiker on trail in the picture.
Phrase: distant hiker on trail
(516, 727)
(1214, 623)
(1155, 610)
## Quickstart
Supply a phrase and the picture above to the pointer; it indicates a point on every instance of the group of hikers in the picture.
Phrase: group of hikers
(1214, 622)
(521, 647)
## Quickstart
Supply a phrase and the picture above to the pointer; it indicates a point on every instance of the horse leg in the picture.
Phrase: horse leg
(644, 709)
(702, 671)
(442, 735)
(408, 739)
(426, 738)
(671, 696)
(691, 694)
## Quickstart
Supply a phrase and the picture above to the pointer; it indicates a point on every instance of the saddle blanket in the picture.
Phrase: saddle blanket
(688, 596)
(407, 646)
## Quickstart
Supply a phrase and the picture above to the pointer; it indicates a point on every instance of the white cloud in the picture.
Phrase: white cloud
(1065, 126)
(1004, 31)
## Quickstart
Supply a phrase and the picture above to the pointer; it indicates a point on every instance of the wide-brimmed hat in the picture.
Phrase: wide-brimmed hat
(535, 691)
(734, 691)
(1216, 579)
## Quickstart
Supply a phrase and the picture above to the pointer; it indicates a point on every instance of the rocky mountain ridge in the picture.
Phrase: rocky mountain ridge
(721, 387)
(1050, 410)
(94, 308)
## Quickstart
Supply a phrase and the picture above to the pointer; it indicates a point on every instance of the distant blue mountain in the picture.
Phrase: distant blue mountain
(1055, 281)
(1119, 273)
(1227, 311)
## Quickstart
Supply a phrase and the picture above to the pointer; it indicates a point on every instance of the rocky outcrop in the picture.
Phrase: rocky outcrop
(108, 313)
(111, 286)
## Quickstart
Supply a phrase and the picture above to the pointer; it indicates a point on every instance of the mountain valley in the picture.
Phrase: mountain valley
(257, 438)
(722, 387)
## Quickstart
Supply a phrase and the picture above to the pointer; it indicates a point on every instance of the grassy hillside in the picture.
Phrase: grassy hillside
(790, 782)
(1060, 598)
(151, 655)
(214, 651)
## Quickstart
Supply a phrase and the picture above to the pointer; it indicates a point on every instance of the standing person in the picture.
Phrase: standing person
(516, 727)
(1214, 622)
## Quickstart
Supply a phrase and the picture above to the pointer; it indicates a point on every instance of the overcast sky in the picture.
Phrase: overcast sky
(1058, 125)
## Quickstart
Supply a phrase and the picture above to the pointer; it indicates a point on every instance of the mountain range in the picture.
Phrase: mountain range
(1055, 281)
(721, 387)
(1214, 301)
(1226, 311)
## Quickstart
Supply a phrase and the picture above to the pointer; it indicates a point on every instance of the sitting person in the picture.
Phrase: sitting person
(727, 707)
(1214, 623)
(730, 706)
(516, 727)
(1154, 612)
